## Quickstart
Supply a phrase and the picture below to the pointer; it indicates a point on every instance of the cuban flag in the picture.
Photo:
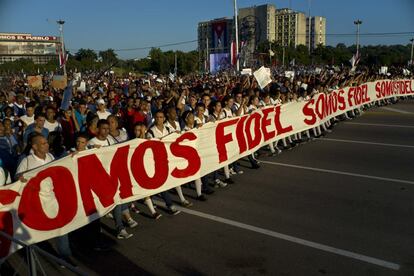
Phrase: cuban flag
(355, 59)
(233, 53)
(63, 57)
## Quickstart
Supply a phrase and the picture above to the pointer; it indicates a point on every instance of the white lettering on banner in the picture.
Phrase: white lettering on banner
(91, 183)
(27, 37)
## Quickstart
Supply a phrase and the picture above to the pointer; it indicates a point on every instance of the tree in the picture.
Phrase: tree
(108, 56)
(86, 54)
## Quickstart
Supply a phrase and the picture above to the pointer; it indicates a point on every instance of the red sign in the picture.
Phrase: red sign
(28, 37)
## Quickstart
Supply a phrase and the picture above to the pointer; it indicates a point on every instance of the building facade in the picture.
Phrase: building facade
(258, 24)
(317, 32)
(290, 27)
(40, 49)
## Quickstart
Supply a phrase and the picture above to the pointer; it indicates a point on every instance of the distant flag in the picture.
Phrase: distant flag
(67, 96)
(233, 53)
(172, 77)
(63, 56)
(355, 60)
(271, 53)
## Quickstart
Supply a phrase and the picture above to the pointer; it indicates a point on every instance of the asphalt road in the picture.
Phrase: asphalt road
(340, 205)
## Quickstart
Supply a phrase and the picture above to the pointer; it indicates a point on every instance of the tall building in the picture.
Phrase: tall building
(317, 32)
(40, 49)
(256, 25)
(290, 27)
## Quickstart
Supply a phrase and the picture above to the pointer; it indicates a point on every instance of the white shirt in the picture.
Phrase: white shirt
(122, 137)
(213, 117)
(252, 108)
(31, 162)
(200, 121)
(27, 120)
(3, 180)
(171, 128)
(104, 143)
(156, 133)
(228, 113)
(52, 126)
(103, 115)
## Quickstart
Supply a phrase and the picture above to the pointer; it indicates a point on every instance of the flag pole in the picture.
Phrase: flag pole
(236, 29)
(62, 43)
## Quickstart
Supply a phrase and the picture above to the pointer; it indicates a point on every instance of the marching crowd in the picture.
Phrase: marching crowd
(39, 126)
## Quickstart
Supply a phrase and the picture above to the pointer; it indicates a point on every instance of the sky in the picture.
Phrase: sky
(123, 24)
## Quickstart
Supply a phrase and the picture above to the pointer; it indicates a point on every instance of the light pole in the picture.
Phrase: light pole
(236, 28)
(412, 50)
(175, 63)
(309, 25)
(62, 43)
(357, 22)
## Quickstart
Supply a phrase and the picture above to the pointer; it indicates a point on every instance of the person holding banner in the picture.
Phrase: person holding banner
(39, 156)
(159, 131)
(140, 132)
(119, 135)
(200, 117)
(120, 212)
(200, 183)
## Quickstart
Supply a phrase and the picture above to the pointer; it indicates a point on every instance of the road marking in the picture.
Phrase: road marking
(379, 125)
(367, 143)
(340, 172)
(397, 110)
(319, 246)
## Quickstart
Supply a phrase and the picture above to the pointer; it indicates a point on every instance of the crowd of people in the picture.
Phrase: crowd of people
(37, 127)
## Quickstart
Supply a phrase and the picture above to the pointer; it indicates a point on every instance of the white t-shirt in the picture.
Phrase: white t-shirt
(52, 126)
(31, 162)
(156, 133)
(251, 108)
(228, 113)
(171, 128)
(200, 121)
(122, 137)
(213, 117)
(103, 115)
(104, 143)
(27, 120)
(3, 179)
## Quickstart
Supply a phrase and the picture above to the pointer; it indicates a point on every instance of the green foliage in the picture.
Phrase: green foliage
(161, 62)
(108, 57)
(341, 54)
(86, 55)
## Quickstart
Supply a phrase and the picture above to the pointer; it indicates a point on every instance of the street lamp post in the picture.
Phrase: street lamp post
(236, 29)
(412, 50)
(62, 43)
(309, 26)
(357, 22)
